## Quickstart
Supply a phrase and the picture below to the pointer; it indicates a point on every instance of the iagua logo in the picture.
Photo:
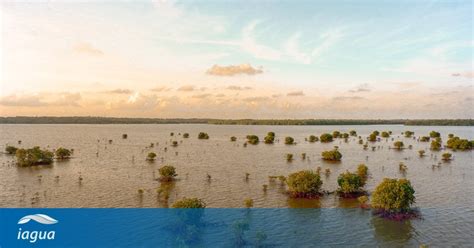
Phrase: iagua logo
(33, 236)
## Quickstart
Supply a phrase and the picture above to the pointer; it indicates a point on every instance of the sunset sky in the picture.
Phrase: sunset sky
(238, 59)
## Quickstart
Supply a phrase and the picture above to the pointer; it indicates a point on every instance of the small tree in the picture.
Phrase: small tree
(434, 134)
(63, 153)
(185, 135)
(447, 156)
(349, 183)
(124, 136)
(167, 173)
(363, 173)
(33, 156)
(189, 203)
(333, 155)
(393, 195)
(233, 138)
(435, 145)
(313, 138)
(304, 184)
(252, 139)
(336, 134)
(10, 150)
(325, 138)
(372, 137)
(421, 153)
(289, 157)
(376, 133)
(385, 134)
(425, 139)
(248, 203)
(203, 135)
(398, 145)
(408, 134)
(353, 133)
(151, 156)
(289, 140)
(270, 138)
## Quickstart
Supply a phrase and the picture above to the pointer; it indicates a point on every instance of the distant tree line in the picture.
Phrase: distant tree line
(118, 120)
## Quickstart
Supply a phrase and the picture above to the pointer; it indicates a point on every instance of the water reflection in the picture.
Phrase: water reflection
(392, 232)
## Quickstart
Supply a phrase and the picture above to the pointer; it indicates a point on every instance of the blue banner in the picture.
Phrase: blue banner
(214, 228)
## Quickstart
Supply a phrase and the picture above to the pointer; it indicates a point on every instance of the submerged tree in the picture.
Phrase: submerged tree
(372, 137)
(33, 156)
(203, 135)
(189, 203)
(167, 173)
(63, 153)
(353, 133)
(408, 134)
(336, 134)
(252, 139)
(456, 143)
(233, 138)
(385, 134)
(11, 150)
(421, 153)
(151, 156)
(447, 156)
(270, 138)
(425, 138)
(313, 138)
(325, 138)
(185, 135)
(398, 145)
(333, 155)
(434, 134)
(289, 140)
(306, 184)
(435, 145)
(393, 195)
(349, 184)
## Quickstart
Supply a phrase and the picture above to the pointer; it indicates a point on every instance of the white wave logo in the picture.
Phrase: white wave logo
(40, 218)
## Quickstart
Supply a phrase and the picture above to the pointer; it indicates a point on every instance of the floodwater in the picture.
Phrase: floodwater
(113, 173)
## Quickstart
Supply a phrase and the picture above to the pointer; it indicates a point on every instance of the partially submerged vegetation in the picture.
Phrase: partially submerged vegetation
(393, 198)
(305, 184)
(167, 173)
(63, 153)
(252, 139)
(351, 184)
(332, 155)
(203, 135)
(33, 156)
(189, 203)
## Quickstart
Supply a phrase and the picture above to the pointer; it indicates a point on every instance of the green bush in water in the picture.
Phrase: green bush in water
(151, 156)
(10, 150)
(252, 139)
(333, 155)
(313, 138)
(185, 135)
(33, 156)
(434, 134)
(203, 135)
(304, 184)
(398, 145)
(289, 140)
(408, 134)
(385, 134)
(447, 156)
(63, 153)
(353, 133)
(336, 134)
(233, 138)
(372, 137)
(425, 139)
(270, 138)
(167, 173)
(456, 143)
(349, 183)
(189, 203)
(394, 195)
(435, 145)
(325, 138)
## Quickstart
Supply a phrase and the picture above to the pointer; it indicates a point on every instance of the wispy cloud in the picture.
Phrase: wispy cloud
(119, 91)
(233, 70)
(87, 48)
(295, 93)
(361, 88)
(239, 88)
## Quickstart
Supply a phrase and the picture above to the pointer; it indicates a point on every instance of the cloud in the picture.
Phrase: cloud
(22, 101)
(202, 96)
(295, 93)
(250, 45)
(361, 88)
(160, 89)
(87, 48)
(238, 88)
(119, 91)
(233, 70)
(37, 100)
(347, 98)
(187, 88)
(466, 74)
(256, 99)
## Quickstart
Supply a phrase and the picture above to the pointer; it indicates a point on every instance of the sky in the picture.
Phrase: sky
(237, 59)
